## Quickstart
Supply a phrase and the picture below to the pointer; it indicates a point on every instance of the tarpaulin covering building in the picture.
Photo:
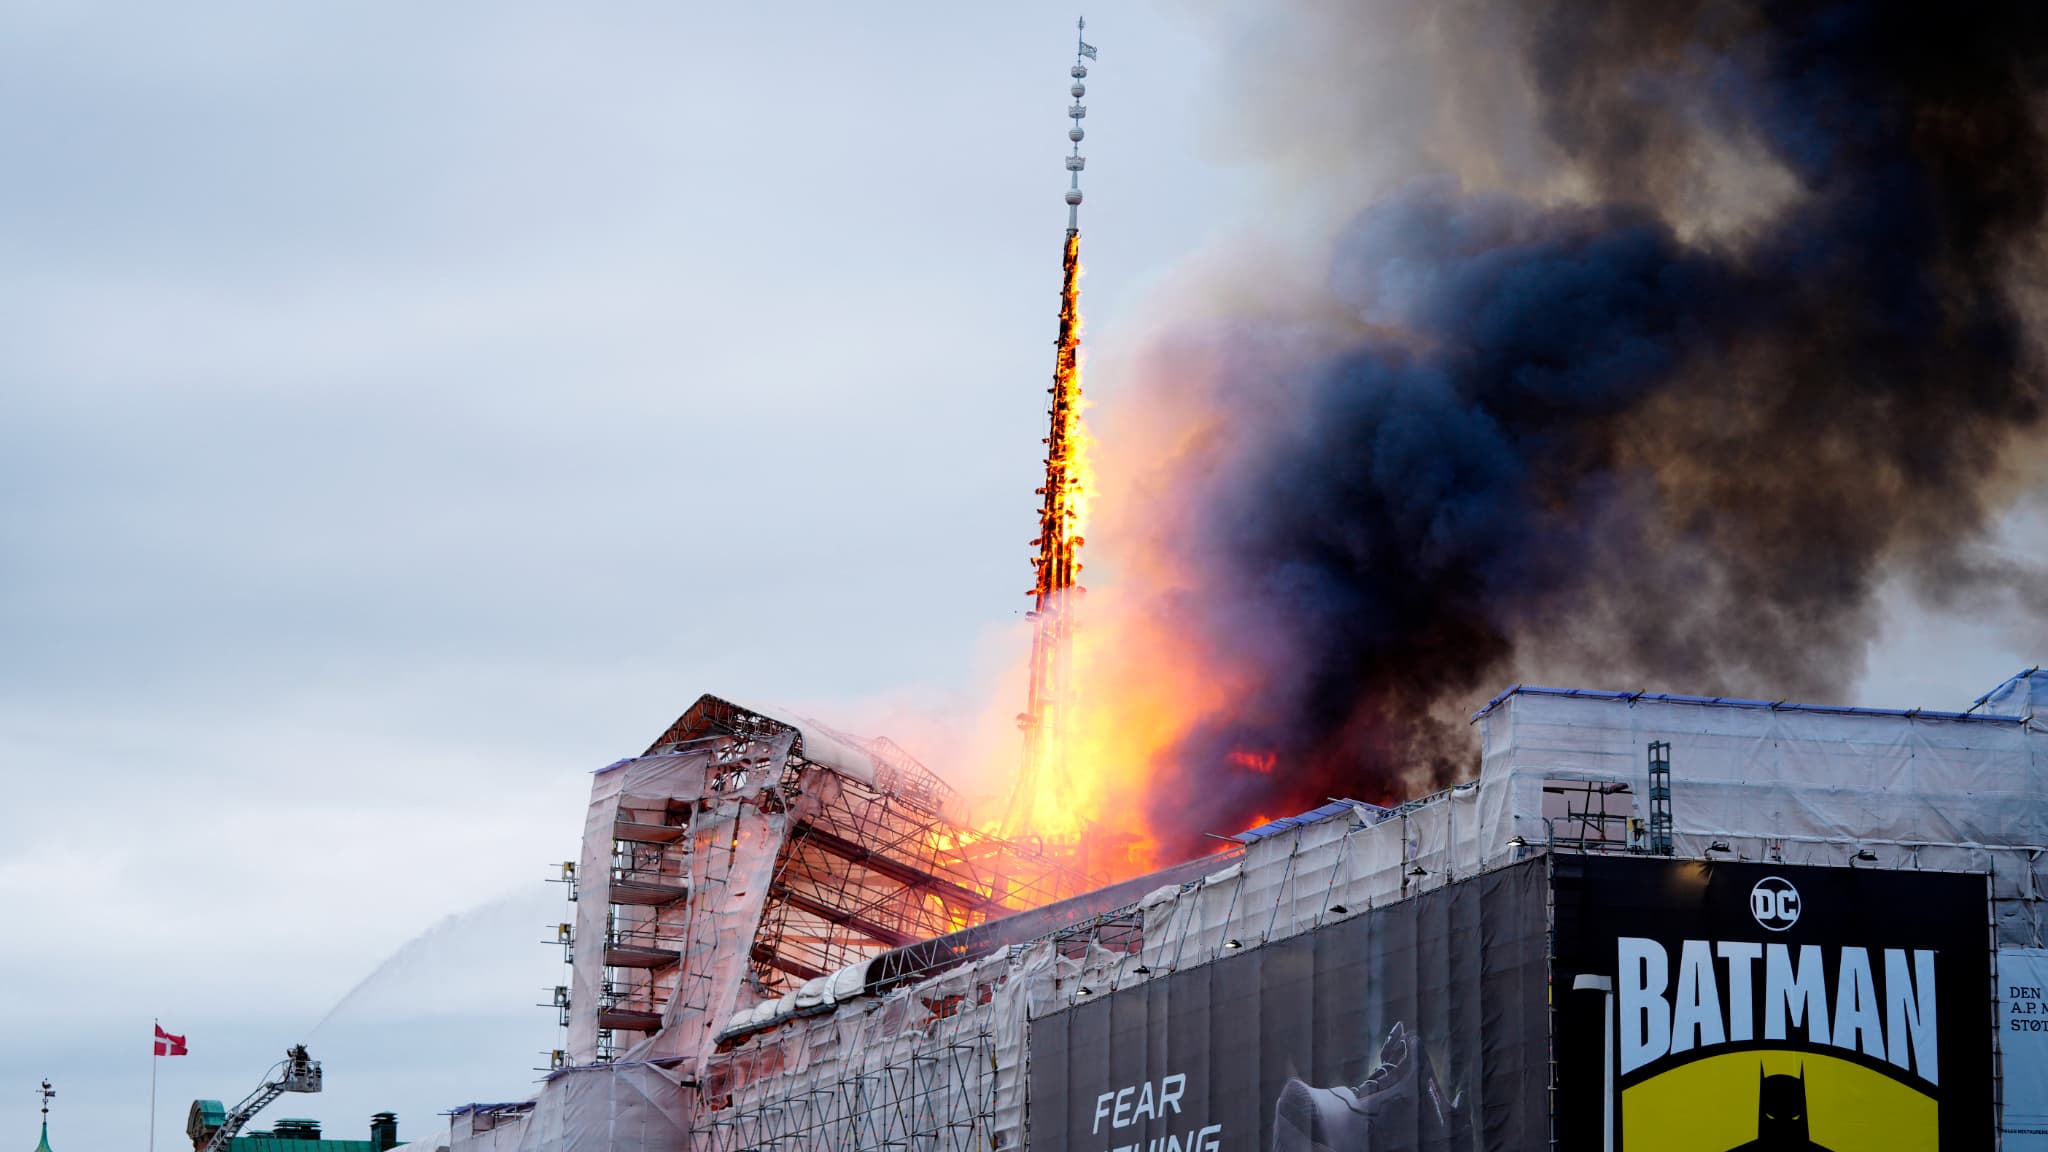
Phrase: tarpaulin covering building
(1654, 921)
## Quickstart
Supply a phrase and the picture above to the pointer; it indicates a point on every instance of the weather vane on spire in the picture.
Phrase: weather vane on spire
(44, 1093)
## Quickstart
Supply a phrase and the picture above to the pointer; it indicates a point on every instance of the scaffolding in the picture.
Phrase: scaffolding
(647, 920)
(1589, 815)
(1660, 798)
(800, 850)
(862, 873)
(936, 1065)
(931, 1089)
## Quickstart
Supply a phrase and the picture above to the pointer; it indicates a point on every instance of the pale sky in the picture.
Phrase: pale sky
(405, 410)
(408, 409)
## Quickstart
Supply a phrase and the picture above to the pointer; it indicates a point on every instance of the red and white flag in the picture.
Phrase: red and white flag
(167, 1044)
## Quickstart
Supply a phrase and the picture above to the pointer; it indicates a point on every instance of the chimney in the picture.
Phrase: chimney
(384, 1131)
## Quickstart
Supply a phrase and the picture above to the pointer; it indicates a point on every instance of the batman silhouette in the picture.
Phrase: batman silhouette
(1780, 1115)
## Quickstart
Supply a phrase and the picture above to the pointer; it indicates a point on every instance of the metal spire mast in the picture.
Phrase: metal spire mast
(1042, 784)
(1076, 162)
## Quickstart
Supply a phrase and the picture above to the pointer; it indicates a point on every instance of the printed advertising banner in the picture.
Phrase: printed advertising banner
(2023, 1037)
(1710, 1007)
(1417, 1025)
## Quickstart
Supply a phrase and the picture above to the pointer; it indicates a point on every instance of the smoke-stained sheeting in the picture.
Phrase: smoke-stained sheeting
(1611, 428)
(1414, 1025)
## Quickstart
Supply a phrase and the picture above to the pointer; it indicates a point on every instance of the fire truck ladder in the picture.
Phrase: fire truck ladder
(297, 1072)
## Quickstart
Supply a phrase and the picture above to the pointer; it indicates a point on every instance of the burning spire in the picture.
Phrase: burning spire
(1037, 804)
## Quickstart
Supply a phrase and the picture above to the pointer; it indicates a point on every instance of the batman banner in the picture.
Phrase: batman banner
(1416, 1025)
(1714, 1007)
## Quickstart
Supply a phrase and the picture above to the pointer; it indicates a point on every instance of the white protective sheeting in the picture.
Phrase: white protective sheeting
(870, 763)
(628, 1107)
(486, 1128)
(940, 1064)
(730, 882)
(1805, 785)
(651, 781)
(2024, 695)
(830, 748)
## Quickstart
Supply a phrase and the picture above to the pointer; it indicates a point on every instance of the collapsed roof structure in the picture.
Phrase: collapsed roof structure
(783, 940)
(748, 865)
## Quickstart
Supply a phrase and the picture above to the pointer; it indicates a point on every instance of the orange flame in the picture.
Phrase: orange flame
(1111, 698)
(1260, 762)
(1109, 702)
(1046, 802)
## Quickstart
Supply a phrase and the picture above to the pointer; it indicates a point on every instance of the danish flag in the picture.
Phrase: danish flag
(167, 1044)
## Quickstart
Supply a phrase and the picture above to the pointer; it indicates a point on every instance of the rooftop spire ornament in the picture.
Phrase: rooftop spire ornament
(45, 1094)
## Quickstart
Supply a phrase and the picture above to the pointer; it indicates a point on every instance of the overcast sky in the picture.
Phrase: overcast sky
(406, 409)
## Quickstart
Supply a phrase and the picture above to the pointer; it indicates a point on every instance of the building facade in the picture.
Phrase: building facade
(1653, 921)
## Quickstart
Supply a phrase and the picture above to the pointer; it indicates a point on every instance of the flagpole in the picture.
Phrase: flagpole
(153, 1058)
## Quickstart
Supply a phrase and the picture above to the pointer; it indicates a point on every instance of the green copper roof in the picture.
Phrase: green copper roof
(271, 1142)
(44, 1144)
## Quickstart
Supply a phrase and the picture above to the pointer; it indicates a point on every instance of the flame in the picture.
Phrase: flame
(1079, 445)
(1106, 701)
(1260, 762)
(1047, 802)
(1110, 696)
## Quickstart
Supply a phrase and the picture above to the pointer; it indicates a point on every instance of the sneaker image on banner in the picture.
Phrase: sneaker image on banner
(1399, 1106)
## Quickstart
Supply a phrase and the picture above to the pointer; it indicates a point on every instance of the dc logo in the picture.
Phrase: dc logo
(1774, 903)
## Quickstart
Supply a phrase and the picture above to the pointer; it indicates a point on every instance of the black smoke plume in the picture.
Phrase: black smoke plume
(1590, 431)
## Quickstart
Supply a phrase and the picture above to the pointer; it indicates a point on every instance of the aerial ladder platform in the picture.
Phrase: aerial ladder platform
(211, 1126)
